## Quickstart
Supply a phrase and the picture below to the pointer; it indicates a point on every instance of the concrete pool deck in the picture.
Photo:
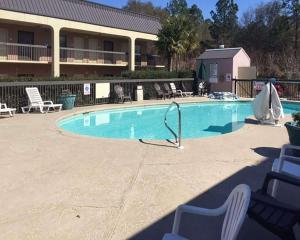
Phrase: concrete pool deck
(57, 185)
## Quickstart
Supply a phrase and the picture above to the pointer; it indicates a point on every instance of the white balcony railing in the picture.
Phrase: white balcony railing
(88, 56)
(24, 52)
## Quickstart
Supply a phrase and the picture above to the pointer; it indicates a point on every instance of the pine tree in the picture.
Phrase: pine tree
(225, 21)
(293, 9)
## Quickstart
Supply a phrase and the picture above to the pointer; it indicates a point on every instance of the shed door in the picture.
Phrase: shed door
(3, 40)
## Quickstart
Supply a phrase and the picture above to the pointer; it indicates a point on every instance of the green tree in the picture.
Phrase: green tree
(177, 7)
(146, 8)
(180, 34)
(265, 32)
(171, 39)
(293, 11)
(225, 21)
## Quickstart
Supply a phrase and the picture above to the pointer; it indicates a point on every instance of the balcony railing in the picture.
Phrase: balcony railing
(148, 60)
(24, 52)
(88, 56)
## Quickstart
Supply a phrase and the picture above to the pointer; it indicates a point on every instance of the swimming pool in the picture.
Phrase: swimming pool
(198, 120)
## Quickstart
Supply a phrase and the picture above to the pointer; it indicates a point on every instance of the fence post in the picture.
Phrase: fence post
(235, 82)
(251, 95)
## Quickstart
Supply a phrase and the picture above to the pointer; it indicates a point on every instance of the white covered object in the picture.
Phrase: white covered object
(261, 109)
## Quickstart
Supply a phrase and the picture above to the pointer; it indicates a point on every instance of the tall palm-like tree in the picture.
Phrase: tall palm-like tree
(172, 40)
(179, 33)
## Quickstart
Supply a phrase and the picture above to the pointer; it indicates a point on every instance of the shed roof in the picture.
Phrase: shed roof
(86, 12)
(220, 53)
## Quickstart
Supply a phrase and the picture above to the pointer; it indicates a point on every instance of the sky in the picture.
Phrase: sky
(205, 5)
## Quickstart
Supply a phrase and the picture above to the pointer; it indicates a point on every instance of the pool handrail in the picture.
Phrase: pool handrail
(178, 138)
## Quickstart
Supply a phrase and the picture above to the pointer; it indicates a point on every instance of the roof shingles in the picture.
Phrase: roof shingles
(219, 53)
(86, 12)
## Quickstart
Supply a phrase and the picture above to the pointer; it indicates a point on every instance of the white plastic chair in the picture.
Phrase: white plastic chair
(175, 91)
(235, 207)
(286, 163)
(5, 109)
(36, 102)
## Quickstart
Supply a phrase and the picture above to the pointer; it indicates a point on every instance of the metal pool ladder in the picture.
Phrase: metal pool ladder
(177, 136)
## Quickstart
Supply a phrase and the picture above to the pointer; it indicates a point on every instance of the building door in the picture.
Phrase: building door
(25, 51)
(109, 47)
(78, 45)
(93, 47)
(138, 55)
(3, 41)
(63, 44)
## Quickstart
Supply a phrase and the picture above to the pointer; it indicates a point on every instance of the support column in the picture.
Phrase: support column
(56, 52)
(131, 54)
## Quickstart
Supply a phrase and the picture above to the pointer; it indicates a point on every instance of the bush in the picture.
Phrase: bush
(155, 74)
(43, 79)
(142, 74)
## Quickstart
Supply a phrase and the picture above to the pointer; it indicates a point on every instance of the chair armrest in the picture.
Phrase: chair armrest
(3, 105)
(48, 102)
(196, 211)
(281, 177)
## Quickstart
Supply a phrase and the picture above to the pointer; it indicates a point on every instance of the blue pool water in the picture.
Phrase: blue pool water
(198, 120)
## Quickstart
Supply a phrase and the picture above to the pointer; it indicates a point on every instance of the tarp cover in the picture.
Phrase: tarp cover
(261, 105)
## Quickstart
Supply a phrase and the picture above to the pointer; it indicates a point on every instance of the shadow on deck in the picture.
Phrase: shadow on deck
(195, 227)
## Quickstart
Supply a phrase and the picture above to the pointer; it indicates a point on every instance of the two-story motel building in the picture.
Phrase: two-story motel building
(73, 38)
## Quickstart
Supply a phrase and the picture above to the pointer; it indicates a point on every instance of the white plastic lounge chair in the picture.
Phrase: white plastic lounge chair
(235, 207)
(286, 163)
(175, 91)
(5, 109)
(36, 102)
(187, 93)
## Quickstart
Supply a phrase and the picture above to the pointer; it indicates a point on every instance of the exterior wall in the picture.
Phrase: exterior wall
(85, 71)
(241, 59)
(247, 73)
(224, 67)
(44, 70)
(57, 25)
(42, 36)
(17, 69)
(120, 45)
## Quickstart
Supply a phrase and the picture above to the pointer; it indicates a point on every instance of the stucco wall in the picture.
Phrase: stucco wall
(42, 36)
(44, 70)
(224, 67)
(241, 59)
(120, 45)
(58, 24)
(15, 69)
(84, 71)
